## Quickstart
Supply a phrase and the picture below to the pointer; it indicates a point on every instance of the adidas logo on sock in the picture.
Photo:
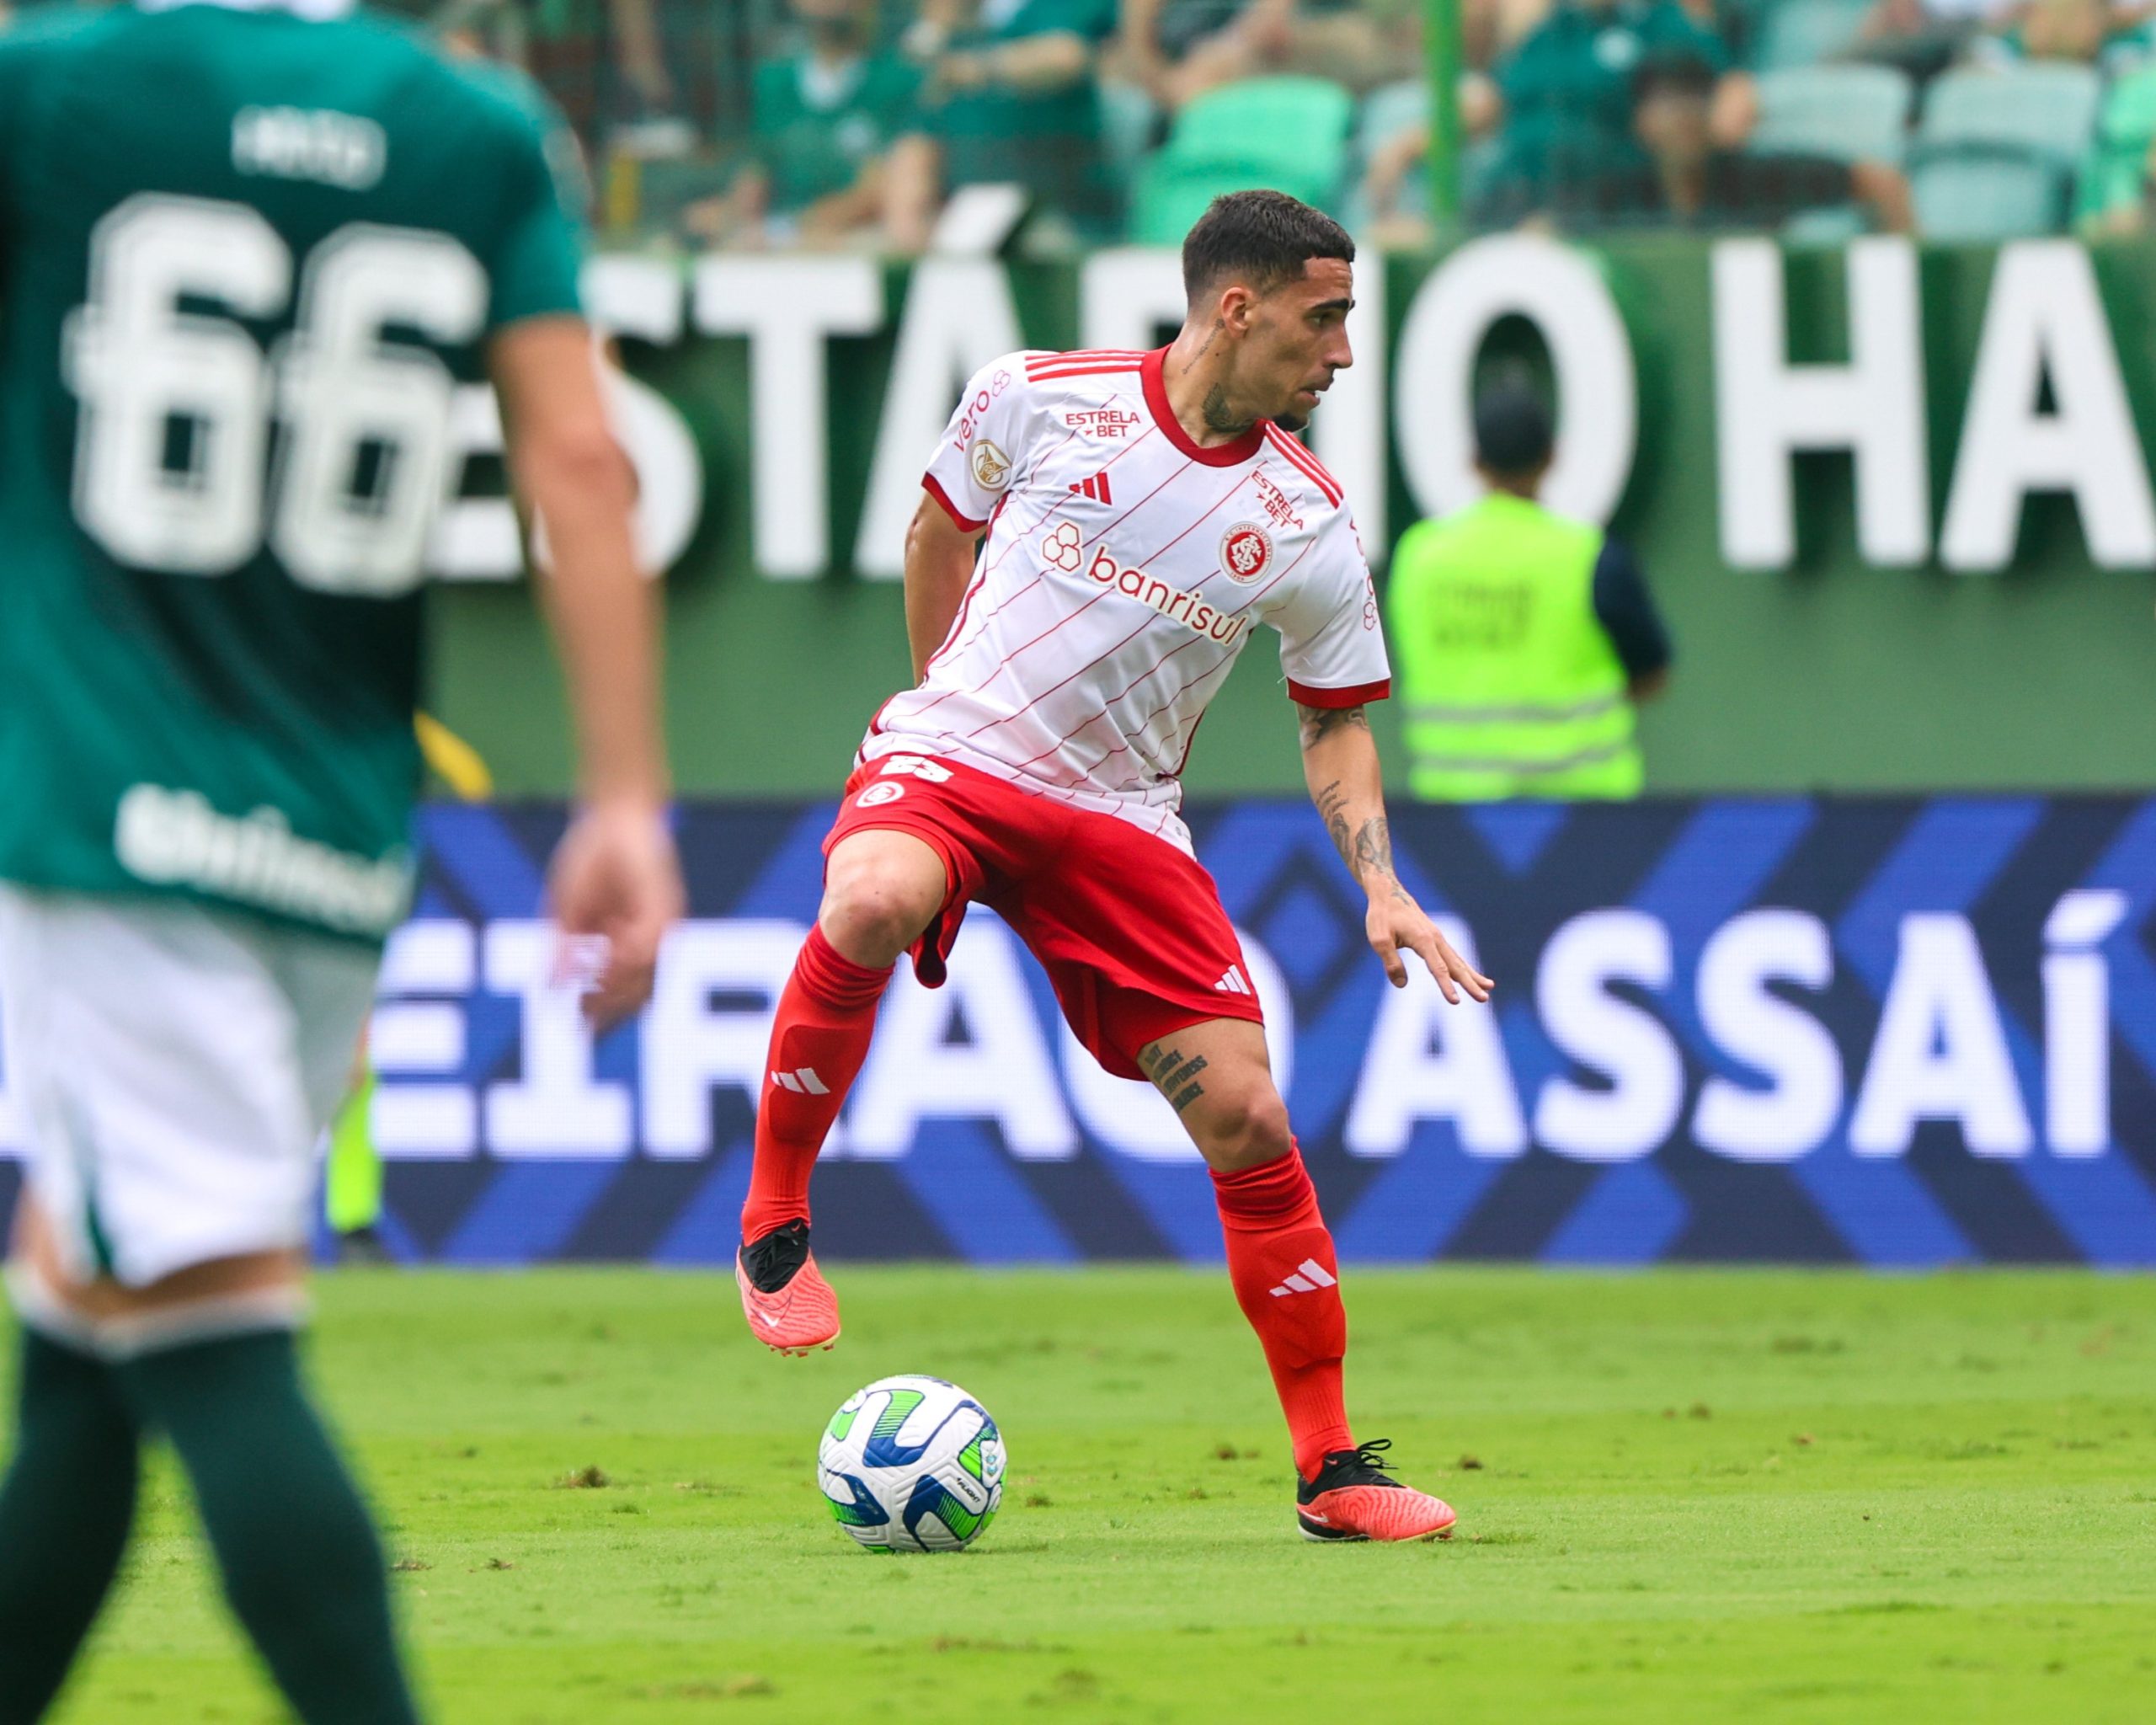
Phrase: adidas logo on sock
(1233, 982)
(1310, 1276)
(801, 1081)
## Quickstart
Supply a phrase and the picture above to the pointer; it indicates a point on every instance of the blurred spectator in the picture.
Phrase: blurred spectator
(1561, 106)
(2088, 32)
(1522, 640)
(1178, 50)
(1565, 97)
(1690, 182)
(649, 122)
(1924, 37)
(825, 121)
(1008, 95)
(1490, 30)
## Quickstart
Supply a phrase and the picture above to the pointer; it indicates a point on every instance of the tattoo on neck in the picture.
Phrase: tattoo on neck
(1219, 416)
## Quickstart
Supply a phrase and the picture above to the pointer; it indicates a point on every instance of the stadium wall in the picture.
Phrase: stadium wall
(1896, 500)
(1895, 1032)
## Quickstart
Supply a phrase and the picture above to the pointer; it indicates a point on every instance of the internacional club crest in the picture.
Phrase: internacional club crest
(1245, 552)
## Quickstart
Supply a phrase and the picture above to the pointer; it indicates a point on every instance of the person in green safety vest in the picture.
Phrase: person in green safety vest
(1522, 641)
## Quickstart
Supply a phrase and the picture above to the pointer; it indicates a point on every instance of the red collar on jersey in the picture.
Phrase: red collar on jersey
(1153, 369)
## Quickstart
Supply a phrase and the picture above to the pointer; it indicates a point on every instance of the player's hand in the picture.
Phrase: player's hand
(1397, 925)
(614, 880)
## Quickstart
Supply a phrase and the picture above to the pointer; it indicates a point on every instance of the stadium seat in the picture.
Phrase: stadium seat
(1851, 113)
(1298, 124)
(1288, 133)
(1996, 149)
(1387, 111)
(1805, 32)
(2047, 107)
(1972, 193)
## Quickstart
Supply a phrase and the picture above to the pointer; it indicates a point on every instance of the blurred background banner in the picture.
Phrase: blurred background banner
(1897, 1032)
(1894, 498)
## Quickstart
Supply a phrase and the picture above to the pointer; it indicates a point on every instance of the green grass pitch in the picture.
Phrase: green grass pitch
(1683, 1495)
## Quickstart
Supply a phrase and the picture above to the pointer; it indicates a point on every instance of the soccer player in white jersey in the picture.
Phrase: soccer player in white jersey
(1144, 513)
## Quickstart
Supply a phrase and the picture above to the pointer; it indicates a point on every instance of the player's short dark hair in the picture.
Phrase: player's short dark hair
(1514, 430)
(1260, 238)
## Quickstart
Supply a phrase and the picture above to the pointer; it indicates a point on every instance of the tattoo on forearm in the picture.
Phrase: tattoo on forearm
(1373, 848)
(1332, 810)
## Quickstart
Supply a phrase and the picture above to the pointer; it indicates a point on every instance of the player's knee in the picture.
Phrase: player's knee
(1249, 1127)
(871, 918)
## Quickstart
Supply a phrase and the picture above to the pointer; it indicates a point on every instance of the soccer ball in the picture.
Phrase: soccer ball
(912, 1464)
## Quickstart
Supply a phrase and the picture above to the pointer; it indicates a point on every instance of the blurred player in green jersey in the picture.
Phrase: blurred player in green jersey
(246, 255)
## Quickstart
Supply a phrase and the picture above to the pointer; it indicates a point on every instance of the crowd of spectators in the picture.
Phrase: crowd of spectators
(767, 123)
(1577, 116)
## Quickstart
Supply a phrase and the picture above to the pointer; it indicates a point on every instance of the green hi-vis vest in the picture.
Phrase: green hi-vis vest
(1511, 685)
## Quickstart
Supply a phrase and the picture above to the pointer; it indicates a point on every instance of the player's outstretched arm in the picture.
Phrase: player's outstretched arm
(1340, 763)
(939, 564)
(614, 874)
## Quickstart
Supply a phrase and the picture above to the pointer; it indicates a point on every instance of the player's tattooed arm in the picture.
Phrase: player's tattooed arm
(1339, 762)
(1175, 1077)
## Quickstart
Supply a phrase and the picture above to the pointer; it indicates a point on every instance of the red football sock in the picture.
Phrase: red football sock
(1287, 1283)
(819, 1037)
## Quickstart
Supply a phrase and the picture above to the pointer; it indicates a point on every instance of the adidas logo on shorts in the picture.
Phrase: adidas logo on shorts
(1310, 1276)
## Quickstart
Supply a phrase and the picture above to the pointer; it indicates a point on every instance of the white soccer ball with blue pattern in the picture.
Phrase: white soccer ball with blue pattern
(912, 1464)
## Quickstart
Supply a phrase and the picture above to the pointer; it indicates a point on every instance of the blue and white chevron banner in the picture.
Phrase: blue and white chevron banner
(1896, 1032)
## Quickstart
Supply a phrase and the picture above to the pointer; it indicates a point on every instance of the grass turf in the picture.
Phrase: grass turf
(1683, 1495)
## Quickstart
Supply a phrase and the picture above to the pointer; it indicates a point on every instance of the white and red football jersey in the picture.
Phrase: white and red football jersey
(1124, 569)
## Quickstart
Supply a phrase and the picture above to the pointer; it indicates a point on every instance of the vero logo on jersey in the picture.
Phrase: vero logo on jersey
(1172, 603)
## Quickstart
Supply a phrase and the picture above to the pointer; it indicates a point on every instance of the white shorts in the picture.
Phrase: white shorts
(173, 1067)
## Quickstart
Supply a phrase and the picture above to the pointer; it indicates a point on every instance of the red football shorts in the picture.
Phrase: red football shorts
(1131, 931)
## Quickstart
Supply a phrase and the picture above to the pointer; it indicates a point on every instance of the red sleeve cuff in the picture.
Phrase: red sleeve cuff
(1358, 696)
(964, 523)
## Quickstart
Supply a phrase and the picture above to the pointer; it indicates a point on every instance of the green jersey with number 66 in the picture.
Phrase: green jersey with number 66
(247, 257)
